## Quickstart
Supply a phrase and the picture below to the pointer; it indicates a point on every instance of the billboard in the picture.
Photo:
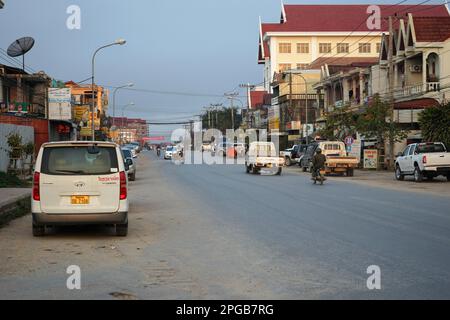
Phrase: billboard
(59, 104)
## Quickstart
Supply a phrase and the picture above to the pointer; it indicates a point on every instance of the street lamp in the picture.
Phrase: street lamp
(117, 42)
(306, 99)
(128, 85)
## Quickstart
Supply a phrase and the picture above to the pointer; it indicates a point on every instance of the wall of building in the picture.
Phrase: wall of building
(27, 134)
(295, 58)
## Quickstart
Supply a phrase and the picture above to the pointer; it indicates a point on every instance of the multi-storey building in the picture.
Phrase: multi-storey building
(308, 32)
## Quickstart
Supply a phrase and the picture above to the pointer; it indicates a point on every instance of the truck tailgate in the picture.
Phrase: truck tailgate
(437, 159)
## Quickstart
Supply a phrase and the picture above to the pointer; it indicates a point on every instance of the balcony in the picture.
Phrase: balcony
(417, 90)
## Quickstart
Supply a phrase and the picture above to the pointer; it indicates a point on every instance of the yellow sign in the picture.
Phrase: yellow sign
(274, 124)
(81, 113)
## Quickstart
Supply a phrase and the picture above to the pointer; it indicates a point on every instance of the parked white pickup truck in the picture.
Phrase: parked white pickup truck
(263, 156)
(421, 160)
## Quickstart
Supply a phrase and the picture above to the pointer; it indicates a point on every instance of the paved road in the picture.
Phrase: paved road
(214, 232)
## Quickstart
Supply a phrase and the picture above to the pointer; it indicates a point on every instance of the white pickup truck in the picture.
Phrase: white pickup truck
(421, 160)
(262, 156)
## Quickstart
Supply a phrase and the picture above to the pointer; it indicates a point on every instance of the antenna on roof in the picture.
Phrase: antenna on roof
(20, 47)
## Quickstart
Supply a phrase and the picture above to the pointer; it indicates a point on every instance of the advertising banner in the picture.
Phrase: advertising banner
(59, 104)
(370, 158)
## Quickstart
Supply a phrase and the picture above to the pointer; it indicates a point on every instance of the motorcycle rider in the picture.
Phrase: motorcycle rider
(318, 162)
(158, 151)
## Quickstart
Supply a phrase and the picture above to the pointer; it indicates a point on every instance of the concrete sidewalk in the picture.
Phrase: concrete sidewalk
(14, 202)
(386, 179)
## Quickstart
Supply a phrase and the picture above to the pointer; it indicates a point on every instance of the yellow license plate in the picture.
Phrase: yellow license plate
(80, 199)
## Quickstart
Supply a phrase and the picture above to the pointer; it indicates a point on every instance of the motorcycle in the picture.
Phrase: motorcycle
(158, 152)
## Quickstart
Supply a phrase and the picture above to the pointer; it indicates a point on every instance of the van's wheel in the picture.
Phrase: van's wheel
(288, 161)
(398, 174)
(279, 171)
(247, 168)
(133, 177)
(255, 170)
(304, 169)
(38, 230)
(122, 230)
(350, 172)
(418, 176)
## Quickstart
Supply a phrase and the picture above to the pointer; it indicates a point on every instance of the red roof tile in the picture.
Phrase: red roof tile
(352, 62)
(342, 18)
(432, 29)
(336, 18)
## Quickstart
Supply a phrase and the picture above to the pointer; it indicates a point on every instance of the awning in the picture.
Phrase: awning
(416, 104)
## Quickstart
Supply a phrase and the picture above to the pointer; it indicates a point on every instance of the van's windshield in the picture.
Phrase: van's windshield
(76, 160)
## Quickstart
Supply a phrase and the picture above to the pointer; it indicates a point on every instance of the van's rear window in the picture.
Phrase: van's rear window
(76, 160)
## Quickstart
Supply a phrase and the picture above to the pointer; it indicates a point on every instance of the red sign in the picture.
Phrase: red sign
(161, 138)
(349, 141)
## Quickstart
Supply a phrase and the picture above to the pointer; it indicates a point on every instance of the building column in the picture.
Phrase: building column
(361, 89)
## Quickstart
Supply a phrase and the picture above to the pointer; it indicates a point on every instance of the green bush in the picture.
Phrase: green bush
(8, 180)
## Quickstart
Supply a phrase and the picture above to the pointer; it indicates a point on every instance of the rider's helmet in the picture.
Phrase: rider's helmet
(319, 150)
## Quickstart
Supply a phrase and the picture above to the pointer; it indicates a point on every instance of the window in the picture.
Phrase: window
(302, 47)
(430, 148)
(332, 147)
(342, 48)
(411, 150)
(284, 48)
(378, 47)
(364, 48)
(302, 65)
(405, 153)
(324, 47)
(284, 67)
(79, 161)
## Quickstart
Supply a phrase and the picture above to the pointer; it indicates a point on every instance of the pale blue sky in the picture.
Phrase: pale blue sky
(200, 46)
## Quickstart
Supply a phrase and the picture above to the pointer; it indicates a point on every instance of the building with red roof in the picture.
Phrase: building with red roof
(306, 33)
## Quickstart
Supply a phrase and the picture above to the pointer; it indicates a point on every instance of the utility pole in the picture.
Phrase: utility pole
(391, 93)
(232, 96)
(215, 108)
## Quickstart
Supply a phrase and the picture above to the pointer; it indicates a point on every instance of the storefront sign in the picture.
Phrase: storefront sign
(370, 159)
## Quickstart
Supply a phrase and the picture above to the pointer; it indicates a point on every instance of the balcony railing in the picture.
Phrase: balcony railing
(433, 86)
(418, 89)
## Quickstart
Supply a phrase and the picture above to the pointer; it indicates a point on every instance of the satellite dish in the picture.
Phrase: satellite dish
(20, 47)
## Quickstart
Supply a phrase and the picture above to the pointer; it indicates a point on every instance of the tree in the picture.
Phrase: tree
(340, 123)
(374, 122)
(435, 124)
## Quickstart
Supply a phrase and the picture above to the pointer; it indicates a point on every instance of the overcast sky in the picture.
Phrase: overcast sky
(196, 47)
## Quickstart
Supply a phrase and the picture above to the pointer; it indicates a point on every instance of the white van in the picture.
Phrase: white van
(80, 183)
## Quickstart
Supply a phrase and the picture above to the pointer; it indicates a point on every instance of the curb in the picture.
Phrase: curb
(13, 209)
